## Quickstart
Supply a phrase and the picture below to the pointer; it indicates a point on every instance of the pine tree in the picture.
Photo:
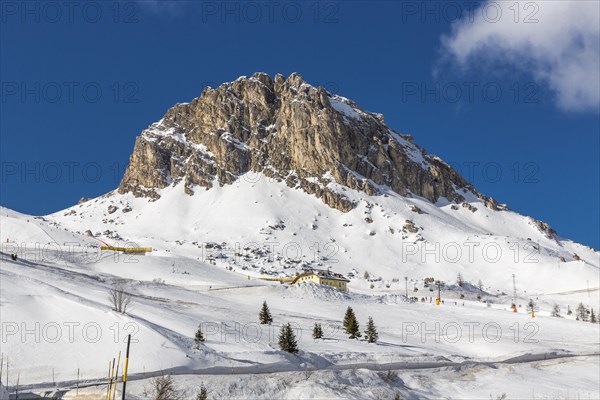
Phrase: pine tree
(347, 317)
(555, 311)
(264, 316)
(287, 339)
(351, 324)
(531, 305)
(459, 280)
(203, 393)
(317, 331)
(354, 329)
(199, 337)
(593, 319)
(581, 312)
(371, 332)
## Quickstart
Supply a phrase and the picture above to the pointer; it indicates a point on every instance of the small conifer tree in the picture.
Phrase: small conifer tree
(317, 331)
(264, 316)
(348, 317)
(203, 393)
(371, 332)
(581, 312)
(351, 324)
(287, 339)
(459, 280)
(199, 337)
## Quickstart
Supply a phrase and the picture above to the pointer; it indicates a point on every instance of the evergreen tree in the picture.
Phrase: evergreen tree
(555, 311)
(531, 305)
(347, 317)
(199, 337)
(354, 329)
(569, 312)
(203, 393)
(459, 280)
(593, 319)
(351, 324)
(264, 316)
(371, 332)
(581, 312)
(287, 339)
(317, 331)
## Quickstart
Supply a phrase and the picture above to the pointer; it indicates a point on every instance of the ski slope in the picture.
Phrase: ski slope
(56, 315)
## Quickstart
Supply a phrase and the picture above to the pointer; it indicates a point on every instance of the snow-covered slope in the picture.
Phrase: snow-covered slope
(295, 230)
(187, 280)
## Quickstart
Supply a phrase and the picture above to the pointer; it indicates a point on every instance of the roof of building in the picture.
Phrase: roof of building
(321, 273)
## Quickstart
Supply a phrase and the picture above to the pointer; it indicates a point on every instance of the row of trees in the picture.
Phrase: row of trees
(352, 327)
(582, 313)
(288, 342)
(287, 337)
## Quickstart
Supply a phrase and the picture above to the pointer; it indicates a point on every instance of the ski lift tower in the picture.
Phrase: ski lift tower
(514, 290)
(439, 285)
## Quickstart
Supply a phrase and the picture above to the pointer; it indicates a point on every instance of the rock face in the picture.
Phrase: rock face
(290, 131)
(544, 228)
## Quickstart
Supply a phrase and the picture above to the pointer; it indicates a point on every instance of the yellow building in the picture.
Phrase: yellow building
(322, 277)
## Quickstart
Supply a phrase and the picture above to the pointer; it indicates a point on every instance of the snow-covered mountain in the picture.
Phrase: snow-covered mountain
(307, 178)
(264, 177)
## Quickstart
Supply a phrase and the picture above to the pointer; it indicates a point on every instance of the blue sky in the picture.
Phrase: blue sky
(521, 124)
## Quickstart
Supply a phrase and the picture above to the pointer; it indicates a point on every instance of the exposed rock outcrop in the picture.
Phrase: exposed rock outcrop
(290, 131)
(544, 228)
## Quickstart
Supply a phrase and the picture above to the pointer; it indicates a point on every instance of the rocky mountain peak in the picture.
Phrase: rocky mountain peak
(293, 132)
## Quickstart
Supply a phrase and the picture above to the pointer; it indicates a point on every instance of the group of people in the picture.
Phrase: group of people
(422, 299)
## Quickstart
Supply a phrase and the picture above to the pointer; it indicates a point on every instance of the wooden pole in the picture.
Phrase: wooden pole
(77, 392)
(114, 396)
(126, 366)
(110, 382)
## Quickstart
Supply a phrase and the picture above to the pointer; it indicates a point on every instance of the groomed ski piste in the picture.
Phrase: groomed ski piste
(60, 332)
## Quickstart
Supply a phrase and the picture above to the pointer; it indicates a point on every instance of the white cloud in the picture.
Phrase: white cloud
(558, 42)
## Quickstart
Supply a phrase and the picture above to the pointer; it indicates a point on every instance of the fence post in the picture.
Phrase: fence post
(116, 377)
(108, 382)
(126, 365)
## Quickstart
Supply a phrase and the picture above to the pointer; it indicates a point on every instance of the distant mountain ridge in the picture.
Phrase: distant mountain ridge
(290, 131)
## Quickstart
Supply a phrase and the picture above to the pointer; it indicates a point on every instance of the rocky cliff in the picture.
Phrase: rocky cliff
(290, 131)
